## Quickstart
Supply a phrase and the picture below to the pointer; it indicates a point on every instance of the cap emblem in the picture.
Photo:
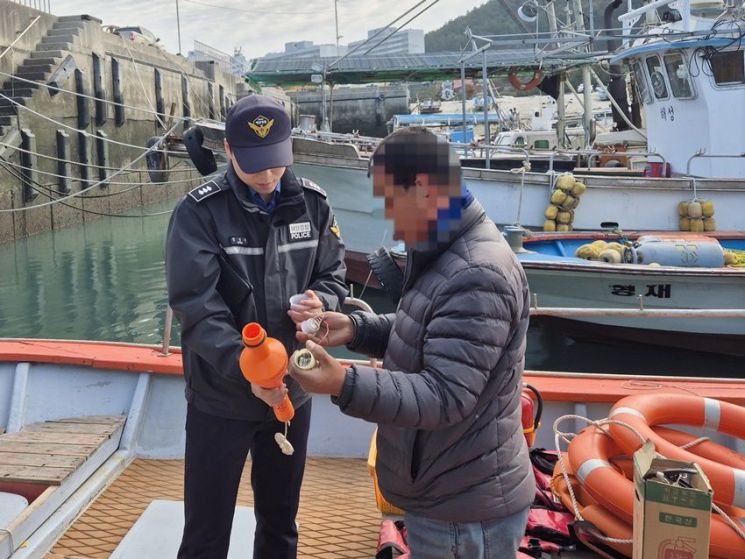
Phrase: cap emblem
(261, 125)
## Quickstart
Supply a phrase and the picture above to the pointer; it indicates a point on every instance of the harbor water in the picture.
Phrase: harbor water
(104, 280)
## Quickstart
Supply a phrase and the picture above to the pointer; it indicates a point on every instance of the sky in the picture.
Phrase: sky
(261, 26)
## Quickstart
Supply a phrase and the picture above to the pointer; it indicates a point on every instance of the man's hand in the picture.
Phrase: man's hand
(309, 307)
(337, 329)
(327, 378)
(270, 396)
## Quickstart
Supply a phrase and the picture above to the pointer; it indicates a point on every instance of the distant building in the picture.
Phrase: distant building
(407, 41)
(306, 49)
(235, 64)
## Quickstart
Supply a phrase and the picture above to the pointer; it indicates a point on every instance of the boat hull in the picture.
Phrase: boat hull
(634, 203)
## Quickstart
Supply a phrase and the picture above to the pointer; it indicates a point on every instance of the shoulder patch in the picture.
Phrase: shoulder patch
(205, 190)
(310, 185)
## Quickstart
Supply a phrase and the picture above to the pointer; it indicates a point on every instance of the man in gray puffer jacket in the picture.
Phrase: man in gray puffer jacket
(451, 452)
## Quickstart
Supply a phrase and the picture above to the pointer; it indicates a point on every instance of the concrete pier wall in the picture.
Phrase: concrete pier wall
(143, 79)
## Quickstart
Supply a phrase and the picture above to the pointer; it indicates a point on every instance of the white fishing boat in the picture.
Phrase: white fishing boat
(615, 300)
(91, 458)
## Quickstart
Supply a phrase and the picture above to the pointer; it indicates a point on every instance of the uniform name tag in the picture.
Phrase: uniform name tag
(299, 231)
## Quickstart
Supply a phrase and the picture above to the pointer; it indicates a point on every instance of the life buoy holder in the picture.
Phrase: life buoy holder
(527, 86)
(644, 411)
(591, 461)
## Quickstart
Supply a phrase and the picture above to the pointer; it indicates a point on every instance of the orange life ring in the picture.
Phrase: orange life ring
(643, 411)
(590, 457)
(528, 86)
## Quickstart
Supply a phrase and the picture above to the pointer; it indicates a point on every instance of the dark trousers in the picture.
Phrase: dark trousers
(216, 450)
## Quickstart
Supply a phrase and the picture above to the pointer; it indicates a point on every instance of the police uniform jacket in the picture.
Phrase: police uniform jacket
(229, 262)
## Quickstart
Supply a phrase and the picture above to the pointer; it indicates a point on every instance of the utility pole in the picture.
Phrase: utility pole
(178, 27)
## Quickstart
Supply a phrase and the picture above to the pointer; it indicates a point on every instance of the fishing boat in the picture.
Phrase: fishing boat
(617, 300)
(695, 143)
(91, 457)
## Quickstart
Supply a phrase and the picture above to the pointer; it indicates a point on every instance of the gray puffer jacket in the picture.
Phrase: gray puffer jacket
(447, 402)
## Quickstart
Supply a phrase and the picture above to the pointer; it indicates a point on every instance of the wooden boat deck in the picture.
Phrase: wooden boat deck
(338, 518)
(47, 453)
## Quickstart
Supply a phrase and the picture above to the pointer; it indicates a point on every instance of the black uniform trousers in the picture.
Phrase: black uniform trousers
(216, 451)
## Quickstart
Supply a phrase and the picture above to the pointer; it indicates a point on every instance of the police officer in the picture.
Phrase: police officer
(238, 247)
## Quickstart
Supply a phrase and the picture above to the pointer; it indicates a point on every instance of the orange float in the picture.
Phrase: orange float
(263, 361)
(527, 86)
(590, 457)
(644, 411)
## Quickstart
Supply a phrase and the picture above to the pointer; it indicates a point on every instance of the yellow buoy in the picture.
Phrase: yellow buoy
(564, 217)
(558, 197)
(694, 211)
(570, 203)
(683, 209)
(684, 224)
(610, 256)
(549, 225)
(697, 225)
(707, 208)
(710, 224)
(618, 247)
(599, 243)
(563, 227)
(551, 212)
(729, 258)
(565, 182)
(578, 189)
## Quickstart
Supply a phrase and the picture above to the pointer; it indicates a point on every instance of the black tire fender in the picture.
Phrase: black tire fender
(202, 158)
(388, 273)
(157, 161)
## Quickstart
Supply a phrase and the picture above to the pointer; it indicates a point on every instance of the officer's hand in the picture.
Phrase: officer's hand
(327, 378)
(336, 329)
(310, 306)
(270, 396)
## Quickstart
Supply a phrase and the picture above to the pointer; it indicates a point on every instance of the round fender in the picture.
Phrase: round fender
(202, 158)
(157, 162)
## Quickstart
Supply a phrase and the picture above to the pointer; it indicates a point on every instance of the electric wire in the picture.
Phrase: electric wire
(81, 192)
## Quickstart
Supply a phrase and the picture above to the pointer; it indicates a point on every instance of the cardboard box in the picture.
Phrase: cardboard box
(670, 521)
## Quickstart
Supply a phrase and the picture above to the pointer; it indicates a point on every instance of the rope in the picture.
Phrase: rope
(63, 125)
(141, 156)
(600, 424)
(81, 180)
(522, 170)
(48, 192)
(142, 85)
(83, 95)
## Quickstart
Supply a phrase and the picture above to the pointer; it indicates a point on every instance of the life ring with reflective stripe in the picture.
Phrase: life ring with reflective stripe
(643, 411)
(590, 458)
(527, 86)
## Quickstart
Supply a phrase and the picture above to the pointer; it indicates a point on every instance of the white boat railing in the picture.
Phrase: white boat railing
(702, 154)
(580, 312)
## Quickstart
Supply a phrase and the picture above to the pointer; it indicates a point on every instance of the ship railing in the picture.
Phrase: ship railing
(640, 311)
(702, 154)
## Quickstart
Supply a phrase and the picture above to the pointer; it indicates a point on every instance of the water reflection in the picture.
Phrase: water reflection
(104, 280)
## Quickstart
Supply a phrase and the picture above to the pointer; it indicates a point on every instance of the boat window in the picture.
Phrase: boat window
(727, 67)
(641, 82)
(657, 77)
(520, 141)
(677, 73)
